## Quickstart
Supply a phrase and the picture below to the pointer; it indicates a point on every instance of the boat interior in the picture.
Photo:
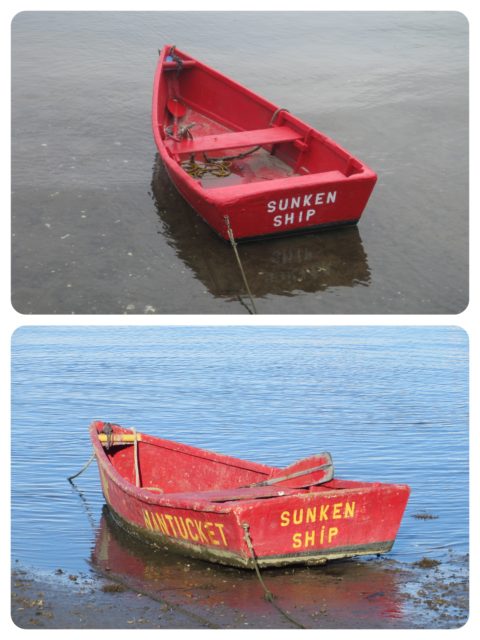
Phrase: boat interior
(166, 467)
(223, 134)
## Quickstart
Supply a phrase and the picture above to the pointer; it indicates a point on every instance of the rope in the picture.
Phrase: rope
(183, 132)
(239, 156)
(235, 250)
(216, 167)
(219, 167)
(275, 114)
(83, 468)
(267, 593)
(176, 59)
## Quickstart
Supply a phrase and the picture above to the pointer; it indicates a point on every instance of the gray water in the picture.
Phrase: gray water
(97, 227)
(390, 404)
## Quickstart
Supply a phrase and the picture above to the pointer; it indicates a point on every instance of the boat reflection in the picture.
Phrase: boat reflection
(348, 594)
(281, 266)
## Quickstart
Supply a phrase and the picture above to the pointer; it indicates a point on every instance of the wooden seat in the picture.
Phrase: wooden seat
(235, 139)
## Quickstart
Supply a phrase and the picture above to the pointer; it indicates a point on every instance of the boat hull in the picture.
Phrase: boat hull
(283, 524)
(241, 559)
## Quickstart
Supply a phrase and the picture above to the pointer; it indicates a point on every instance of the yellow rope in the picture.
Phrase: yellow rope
(219, 168)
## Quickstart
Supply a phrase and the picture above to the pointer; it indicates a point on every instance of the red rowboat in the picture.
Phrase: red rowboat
(239, 513)
(243, 163)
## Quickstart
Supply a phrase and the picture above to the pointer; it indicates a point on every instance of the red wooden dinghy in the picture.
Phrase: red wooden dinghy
(235, 512)
(240, 161)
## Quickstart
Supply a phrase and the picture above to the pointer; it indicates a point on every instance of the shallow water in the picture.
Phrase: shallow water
(390, 404)
(97, 228)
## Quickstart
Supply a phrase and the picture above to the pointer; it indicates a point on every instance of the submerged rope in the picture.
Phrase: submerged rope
(235, 250)
(267, 593)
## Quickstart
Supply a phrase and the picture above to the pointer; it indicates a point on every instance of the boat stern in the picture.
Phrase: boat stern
(327, 523)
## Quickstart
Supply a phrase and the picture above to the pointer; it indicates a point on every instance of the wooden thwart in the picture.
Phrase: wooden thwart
(236, 139)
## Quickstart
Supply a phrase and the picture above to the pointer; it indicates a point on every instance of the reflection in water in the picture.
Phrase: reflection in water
(344, 592)
(281, 266)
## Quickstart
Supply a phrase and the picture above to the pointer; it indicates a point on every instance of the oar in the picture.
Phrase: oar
(178, 110)
(297, 474)
(312, 465)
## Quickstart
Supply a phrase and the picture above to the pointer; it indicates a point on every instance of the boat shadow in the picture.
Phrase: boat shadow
(345, 594)
(285, 266)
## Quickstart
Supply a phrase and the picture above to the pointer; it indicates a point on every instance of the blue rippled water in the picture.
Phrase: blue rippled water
(390, 404)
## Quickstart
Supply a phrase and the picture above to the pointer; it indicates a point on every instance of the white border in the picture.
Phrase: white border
(468, 320)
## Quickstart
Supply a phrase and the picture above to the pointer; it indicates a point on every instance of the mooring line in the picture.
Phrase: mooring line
(237, 256)
(83, 468)
(268, 594)
(86, 506)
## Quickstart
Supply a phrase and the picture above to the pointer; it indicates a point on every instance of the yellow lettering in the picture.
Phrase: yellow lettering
(284, 518)
(332, 532)
(169, 518)
(349, 510)
(186, 528)
(181, 527)
(154, 522)
(146, 517)
(297, 540)
(337, 513)
(297, 516)
(311, 514)
(192, 534)
(161, 523)
(309, 538)
(222, 535)
(201, 535)
(324, 512)
(211, 533)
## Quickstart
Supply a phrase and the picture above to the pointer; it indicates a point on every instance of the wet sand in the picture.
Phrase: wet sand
(343, 595)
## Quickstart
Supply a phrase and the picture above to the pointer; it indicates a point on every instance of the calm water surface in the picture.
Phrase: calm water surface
(97, 227)
(389, 404)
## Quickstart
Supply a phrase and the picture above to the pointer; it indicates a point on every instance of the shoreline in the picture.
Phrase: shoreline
(345, 595)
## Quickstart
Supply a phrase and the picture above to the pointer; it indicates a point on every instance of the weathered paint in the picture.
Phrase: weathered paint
(287, 524)
(328, 186)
